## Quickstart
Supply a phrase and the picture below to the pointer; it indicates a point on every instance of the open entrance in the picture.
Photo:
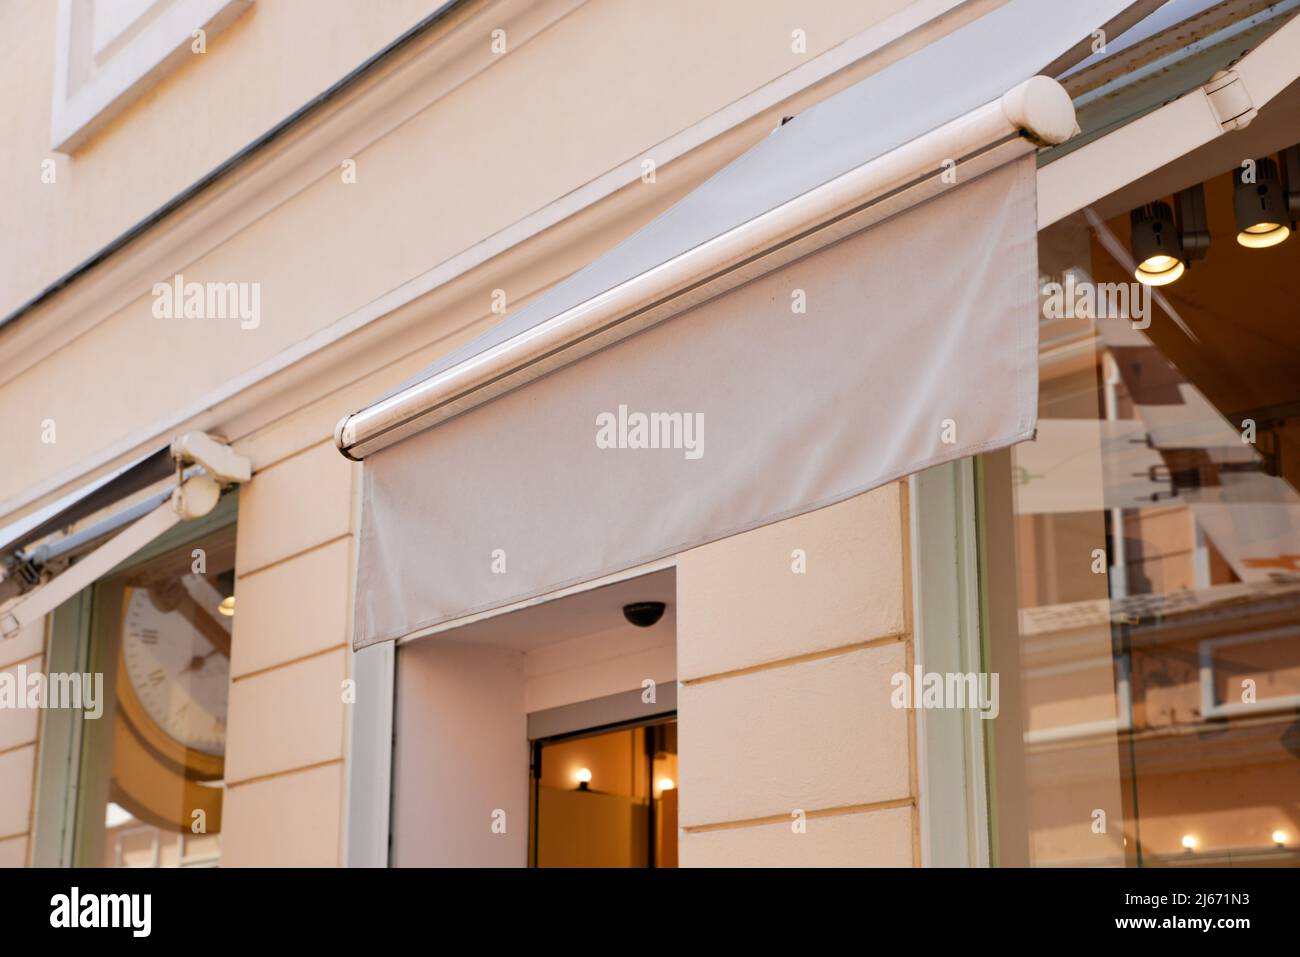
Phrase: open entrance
(543, 736)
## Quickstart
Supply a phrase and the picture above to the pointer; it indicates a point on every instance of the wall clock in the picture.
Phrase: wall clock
(176, 658)
(172, 682)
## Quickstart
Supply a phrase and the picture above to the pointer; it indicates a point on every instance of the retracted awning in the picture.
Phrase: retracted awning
(852, 300)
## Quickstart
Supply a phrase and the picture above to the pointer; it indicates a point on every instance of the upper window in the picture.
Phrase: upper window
(109, 52)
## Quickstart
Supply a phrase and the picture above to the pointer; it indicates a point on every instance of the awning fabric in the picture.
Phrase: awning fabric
(902, 345)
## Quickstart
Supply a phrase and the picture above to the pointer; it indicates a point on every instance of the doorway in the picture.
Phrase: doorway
(494, 719)
(606, 798)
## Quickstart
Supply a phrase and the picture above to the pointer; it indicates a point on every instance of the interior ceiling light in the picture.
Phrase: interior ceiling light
(1260, 203)
(1193, 228)
(1157, 247)
(227, 606)
(1288, 162)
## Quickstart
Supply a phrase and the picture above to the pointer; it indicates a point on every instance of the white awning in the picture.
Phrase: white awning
(852, 300)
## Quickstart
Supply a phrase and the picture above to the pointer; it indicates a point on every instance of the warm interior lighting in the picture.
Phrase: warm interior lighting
(227, 606)
(1263, 235)
(1189, 842)
(667, 784)
(1260, 204)
(583, 775)
(1156, 244)
(1279, 838)
(1159, 270)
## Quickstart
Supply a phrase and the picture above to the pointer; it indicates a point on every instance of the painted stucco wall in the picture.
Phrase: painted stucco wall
(19, 733)
(790, 753)
(270, 61)
(285, 742)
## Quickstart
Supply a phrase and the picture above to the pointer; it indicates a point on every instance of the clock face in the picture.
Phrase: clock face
(175, 670)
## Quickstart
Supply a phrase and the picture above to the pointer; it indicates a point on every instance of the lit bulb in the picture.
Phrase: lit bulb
(1279, 838)
(1159, 270)
(1157, 245)
(1263, 235)
(1259, 204)
(227, 606)
(1189, 842)
(583, 775)
(667, 784)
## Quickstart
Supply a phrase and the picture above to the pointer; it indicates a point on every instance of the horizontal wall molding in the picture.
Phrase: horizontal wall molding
(809, 814)
(883, 640)
(411, 84)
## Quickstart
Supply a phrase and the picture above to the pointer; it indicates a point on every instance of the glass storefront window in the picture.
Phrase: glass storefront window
(1155, 524)
(152, 765)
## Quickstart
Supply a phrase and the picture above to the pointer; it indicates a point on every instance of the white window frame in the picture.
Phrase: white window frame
(946, 629)
(1085, 729)
(1211, 707)
(90, 87)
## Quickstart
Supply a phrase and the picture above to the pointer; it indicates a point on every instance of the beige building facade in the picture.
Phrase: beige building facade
(369, 187)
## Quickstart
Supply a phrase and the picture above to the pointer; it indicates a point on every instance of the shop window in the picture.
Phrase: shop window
(1152, 624)
(147, 772)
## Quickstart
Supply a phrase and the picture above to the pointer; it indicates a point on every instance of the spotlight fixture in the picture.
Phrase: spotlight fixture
(1288, 162)
(225, 583)
(1279, 838)
(1260, 203)
(584, 778)
(1157, 247)
(1193, 227)
(1189, 843)
(643, 614)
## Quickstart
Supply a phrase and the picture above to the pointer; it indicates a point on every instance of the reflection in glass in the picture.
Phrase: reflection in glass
(153, 765)
(1157, 537)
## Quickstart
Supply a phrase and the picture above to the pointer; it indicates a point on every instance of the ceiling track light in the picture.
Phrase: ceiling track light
(1193, 227)
(1288, 162)
(1261, 205)
(1157, 246)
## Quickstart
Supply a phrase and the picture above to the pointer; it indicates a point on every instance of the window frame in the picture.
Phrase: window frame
(129, 67)
(947, 634)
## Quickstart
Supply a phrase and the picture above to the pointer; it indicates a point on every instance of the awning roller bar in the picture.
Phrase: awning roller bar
(1036, 112)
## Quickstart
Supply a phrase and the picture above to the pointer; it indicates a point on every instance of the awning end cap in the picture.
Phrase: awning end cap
(1043, 109)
